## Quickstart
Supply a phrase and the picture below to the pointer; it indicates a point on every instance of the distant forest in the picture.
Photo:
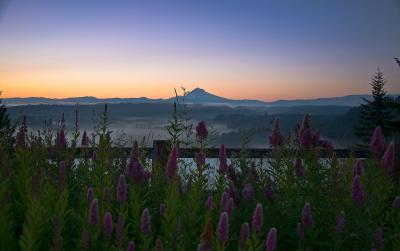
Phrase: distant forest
(240, 124)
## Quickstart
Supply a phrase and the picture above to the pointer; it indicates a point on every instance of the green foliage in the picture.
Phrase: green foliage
(376, 112)
(37, 213)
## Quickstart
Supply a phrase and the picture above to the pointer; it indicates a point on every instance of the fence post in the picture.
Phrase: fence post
(159, 152)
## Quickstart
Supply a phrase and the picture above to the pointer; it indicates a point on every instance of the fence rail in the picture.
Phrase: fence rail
(159, 147)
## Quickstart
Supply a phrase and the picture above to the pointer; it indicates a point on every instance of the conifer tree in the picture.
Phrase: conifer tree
(375, 112)
(6, 128)
(394, 104)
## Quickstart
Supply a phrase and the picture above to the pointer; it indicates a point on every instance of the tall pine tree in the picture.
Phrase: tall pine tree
(375, 112)
(394, 104)
(6, 128)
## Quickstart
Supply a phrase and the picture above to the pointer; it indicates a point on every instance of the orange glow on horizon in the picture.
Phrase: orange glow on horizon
(122, 83)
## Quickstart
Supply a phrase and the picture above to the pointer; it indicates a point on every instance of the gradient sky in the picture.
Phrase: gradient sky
(239, 49)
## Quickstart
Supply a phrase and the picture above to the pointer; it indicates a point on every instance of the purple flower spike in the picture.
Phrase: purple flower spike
(63, 172)
(358, 168)
(326, 144)
(85, 139)
(379, 242)
(234, 193)
(306, 122)
(270, 243)
(396, 202)
(306, 139)
(134, 157)
(276, 138)
(340, 223)
(200, 158)
(224, 201)
(210, 205)
(94, 214)
(257, 222)
(229, 206)
(300, 231)
(106, 195)
(248, 192)
(108, 225)
(377, 144)
(162, 209)
(119, 230)
(122, 192)
(172, 162)
(357, 191)
(135, 171)
(90, 195)
(388, 158)
(306, 217)
(131, 246)
(61, 141)
(85, 240)
(223, 228)
(201, 130)
(145, 225)
(244, 235)
(223, 164)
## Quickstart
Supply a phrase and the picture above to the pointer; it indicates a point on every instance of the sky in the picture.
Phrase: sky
(264, 50)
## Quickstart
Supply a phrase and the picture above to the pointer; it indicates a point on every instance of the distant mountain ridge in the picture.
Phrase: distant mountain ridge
(197, 96)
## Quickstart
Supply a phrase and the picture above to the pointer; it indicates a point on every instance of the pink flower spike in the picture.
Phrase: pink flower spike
(306, 216)
(377, 144)
(94, 213)
(223, 228)
(388, 159)
(108, 225)
(276, 138)
(122, 191)
(396, 202)
(244, 235)
(357, 168)
(201, 130)
(257, 222)
(357, 191)
(172, 163)
(131, 246)
(271, 240)
(340, 223)
(145, 225)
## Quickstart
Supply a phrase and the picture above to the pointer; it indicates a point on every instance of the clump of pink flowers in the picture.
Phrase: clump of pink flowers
(306, 216)
(377, 144)
(257, 218)
(276, 138)
(201, 130)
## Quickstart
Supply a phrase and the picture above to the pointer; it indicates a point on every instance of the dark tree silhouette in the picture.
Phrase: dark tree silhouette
(394, 104)
(376, 112)
(6, 128)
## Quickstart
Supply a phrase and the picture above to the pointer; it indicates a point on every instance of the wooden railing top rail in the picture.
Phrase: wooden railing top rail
(231, 152)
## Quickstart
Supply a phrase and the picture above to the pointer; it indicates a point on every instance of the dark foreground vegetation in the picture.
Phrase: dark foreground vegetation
(54, 199)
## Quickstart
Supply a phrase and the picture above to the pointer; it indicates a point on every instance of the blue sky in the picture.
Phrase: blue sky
(240, 49)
